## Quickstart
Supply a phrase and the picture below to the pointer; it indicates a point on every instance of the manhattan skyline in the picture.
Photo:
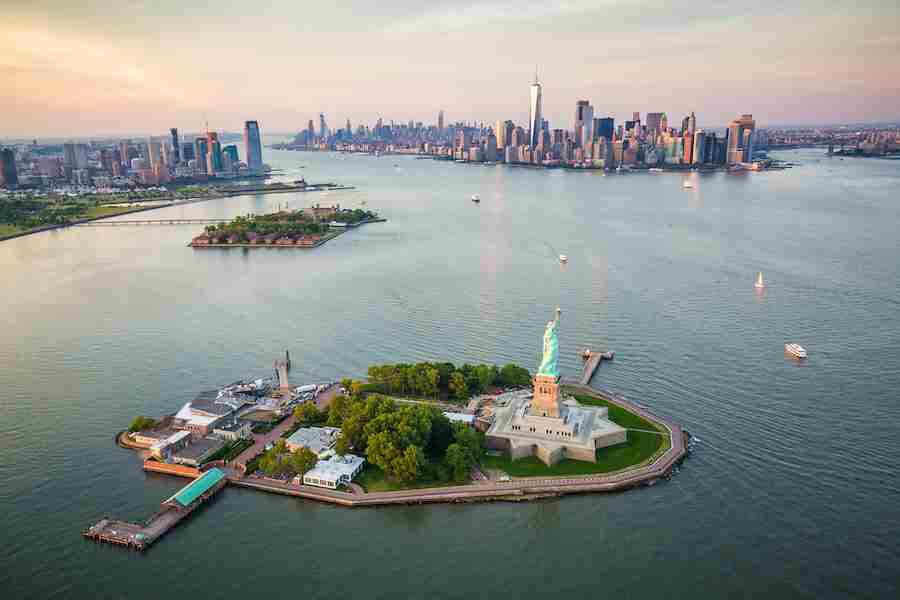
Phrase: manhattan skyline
(108, 69)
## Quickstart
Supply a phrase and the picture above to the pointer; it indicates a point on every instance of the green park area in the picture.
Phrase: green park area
(24, 214)
(442, 381)
(639, 448)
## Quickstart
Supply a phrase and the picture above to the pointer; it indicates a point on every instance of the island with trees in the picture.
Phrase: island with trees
(305, 228)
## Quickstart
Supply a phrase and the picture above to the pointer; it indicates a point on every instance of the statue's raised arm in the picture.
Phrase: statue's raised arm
(550, 362)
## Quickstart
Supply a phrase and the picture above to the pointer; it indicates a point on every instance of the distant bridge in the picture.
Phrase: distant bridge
(112, 223)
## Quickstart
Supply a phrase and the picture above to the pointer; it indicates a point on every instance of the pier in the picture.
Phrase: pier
(140, 536)
(592, 361)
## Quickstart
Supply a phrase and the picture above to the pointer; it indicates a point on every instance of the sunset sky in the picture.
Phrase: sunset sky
(95, 68)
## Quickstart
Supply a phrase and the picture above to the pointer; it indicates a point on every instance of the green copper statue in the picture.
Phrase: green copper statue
(550, 363)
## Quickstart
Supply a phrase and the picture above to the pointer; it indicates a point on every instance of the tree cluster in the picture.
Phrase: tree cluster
(285, 223)
(281, 461)
(430, 380)
(406, 441)
(141, 423)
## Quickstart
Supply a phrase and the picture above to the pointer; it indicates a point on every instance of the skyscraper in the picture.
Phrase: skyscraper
(123, 152)
(69, 155)
(154, 153)
(654, 123)
(323, 128)
(606, 126)
(441, 122)
(740, 140)
(252, 147)
(8, 175)
(200, 151)
(584, 124)
(213, 153)
(310, 132)
(535, 122)
(176, 147)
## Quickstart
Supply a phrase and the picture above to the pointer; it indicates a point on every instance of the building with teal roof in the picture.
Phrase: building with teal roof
(209, 482)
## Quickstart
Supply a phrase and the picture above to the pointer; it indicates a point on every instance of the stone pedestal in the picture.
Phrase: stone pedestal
(546, 396)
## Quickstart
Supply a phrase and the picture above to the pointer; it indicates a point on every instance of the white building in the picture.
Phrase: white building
(173, 443)
(333, 472)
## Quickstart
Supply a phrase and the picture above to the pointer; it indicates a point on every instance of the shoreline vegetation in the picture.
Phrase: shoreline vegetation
(26, 213)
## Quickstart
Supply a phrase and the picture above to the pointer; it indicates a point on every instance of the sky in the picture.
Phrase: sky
(125, 67)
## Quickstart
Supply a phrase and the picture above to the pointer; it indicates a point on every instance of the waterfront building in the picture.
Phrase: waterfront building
(535, 121)
(319, 440)
(253, 146)
(176, 146)
(654, 124)
(546, 424)
(490, 148)
(172, 443)
(688, 148)
(740, 140)
(336, 471)
(605, 127)
(8, 174)
(234, 431)
(698, 156)
(584, 123)
(231, 152)
(198, 451)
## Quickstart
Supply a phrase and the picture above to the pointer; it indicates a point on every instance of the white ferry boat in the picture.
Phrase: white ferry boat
(563, 258)
(795, 350)
(759, 282)
(687, 184)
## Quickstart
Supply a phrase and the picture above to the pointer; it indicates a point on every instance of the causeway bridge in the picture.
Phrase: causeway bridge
(171, 221)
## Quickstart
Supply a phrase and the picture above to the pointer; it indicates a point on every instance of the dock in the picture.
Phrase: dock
(592, 361)
(140, 536)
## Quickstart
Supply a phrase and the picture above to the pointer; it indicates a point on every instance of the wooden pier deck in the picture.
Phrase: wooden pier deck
(140, 536)
(591, 363)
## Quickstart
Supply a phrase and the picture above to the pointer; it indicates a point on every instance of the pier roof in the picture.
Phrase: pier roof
(197, 487)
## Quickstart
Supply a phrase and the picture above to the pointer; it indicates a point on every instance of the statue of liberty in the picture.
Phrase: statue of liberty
(550, 362)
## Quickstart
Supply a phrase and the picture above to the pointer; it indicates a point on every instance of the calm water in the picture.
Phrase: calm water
(791, 492)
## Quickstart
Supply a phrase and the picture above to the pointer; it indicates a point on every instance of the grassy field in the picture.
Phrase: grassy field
(260, 416)
(6, 229)
(373, 479)
(92, 212)
(639, 447)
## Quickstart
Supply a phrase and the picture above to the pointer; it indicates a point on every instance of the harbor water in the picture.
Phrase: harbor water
(792, 491)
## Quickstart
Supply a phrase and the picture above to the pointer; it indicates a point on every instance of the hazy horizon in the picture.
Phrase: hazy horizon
(96, 70)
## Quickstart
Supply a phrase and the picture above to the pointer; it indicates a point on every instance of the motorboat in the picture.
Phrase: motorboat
(475, 198)
(687, 184)
(759, 282)
(795, 350)
(563, 258)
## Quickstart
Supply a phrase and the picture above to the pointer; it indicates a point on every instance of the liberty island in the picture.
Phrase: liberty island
(545, 421)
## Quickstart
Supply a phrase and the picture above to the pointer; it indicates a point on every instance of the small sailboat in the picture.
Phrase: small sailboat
(759, 282)
(795, 350)
(563, 258)
(475, 198)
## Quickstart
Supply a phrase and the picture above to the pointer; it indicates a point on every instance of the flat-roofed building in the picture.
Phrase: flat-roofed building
(172, 443)
(320, 440)
(198, 452)
(335, 471)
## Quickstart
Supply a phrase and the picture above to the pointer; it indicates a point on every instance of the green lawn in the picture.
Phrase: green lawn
(6, 229)
(93, 212)
(373, 479)
(639, 447)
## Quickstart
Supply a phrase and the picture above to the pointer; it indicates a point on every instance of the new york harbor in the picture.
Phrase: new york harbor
(397, 330)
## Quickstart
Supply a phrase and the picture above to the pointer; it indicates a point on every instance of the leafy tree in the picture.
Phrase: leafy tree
(140, 423)
(441, 435)
(458, 386)
(408, 465)
(512, 374)
(485, 376)
(307, 413)
(342, 445)
(457, 460)
(303, 460)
